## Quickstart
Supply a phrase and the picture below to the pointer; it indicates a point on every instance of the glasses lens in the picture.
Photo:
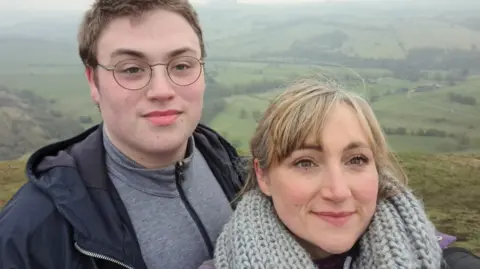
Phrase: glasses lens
(184, 70)
(132, 74)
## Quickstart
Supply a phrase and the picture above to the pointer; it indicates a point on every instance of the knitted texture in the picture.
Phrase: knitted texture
(399, 237)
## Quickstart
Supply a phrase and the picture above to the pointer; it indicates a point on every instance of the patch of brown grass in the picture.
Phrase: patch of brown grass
(12, 176)
(449, 185)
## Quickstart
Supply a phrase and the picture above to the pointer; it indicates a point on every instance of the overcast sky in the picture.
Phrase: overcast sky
(83, 4)
(45, 4)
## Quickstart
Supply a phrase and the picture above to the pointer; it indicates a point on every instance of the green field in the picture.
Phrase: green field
(242, 41)
(413, 111)
(68, 86)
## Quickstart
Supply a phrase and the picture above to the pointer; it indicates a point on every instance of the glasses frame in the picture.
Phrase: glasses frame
(112, 69)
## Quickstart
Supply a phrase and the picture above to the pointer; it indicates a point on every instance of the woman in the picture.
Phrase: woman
(324, 191)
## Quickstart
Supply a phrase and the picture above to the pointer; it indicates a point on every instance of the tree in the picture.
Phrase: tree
(243, 113)
(257, 115)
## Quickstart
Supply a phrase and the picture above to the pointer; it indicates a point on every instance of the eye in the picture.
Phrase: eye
(304, 163)
(358, 160)
(131, 67)
(132, 70)
(180, 66)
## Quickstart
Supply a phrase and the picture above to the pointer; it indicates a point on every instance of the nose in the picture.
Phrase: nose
(334, 185)
(160, 86)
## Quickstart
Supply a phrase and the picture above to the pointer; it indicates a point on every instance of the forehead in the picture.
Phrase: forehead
(155, 34)
(342, 129)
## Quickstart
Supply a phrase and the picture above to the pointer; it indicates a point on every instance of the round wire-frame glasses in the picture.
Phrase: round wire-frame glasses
(135, 74)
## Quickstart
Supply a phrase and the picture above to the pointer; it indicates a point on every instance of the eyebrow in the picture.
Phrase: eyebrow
(350, 146)
(139, 54)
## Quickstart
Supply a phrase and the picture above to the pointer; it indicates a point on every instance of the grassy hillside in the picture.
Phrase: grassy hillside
(66, 85)
(68, 92)
(416, 111)
(448, 185)
(12, 176)
(28, 121)
(301, 39)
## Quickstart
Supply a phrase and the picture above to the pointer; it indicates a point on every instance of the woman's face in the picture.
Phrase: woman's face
(326, 195)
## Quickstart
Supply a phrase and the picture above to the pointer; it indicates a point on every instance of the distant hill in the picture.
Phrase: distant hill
(419, 64)
(45, 28)
(448, 185)
(24, 51)
(28, 122)
(356, 31)
(365, 29)
(421, 116)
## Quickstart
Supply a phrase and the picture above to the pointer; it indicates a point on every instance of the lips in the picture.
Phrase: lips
(335, 218)
(163, 117)
(335, 214)
(162, 113)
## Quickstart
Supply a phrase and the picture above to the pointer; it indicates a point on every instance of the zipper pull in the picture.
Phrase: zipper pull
(179, 170)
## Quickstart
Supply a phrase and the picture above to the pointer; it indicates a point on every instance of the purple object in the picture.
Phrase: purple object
(445, 240)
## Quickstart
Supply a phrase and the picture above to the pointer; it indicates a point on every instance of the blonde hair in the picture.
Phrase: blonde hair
(302, 110)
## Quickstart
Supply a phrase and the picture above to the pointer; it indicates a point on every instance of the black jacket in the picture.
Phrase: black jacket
(69, 215)
(460, 258)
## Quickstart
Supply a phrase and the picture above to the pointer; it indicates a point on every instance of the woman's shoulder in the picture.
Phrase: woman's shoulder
(460, 258)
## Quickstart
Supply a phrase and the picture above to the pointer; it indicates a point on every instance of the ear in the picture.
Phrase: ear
(262, 178)
(92, 83)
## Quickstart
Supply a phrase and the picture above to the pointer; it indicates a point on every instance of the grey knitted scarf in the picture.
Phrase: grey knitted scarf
(399, 237)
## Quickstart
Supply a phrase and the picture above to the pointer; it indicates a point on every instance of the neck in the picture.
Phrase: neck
(148, 160)
(316, 252)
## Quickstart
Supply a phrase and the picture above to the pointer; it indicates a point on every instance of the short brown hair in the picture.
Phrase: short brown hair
(104, 11)
(301, 110)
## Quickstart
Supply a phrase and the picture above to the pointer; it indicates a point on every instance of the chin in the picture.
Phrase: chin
(165, 143)
(333, 246)
(337, 248)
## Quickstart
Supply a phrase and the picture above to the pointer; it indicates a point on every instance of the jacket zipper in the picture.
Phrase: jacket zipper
(178, 179)
(347, 263)
(99, 256)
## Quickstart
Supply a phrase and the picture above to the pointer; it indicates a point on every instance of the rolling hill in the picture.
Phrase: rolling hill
(422, 108)
(379, 50)
(28, 123)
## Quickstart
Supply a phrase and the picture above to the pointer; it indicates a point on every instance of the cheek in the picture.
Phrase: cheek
(193, 94)
(117, 99)
(291, 192)
(365, 191)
